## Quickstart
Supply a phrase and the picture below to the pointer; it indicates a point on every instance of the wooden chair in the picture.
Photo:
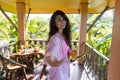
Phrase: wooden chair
(43, 70)
(12, 67)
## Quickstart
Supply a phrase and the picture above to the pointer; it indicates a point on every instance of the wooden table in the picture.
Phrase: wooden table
(27, 58)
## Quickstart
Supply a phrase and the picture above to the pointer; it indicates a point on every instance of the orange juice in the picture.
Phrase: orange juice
(73, 54)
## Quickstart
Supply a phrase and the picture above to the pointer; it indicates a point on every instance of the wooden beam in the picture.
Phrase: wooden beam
(83, 27)
(97, 18)
(21, 21)
(8, 18)
(28, 14)
(114, 64)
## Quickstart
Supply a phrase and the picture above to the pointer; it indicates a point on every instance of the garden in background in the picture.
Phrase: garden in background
(37, 28)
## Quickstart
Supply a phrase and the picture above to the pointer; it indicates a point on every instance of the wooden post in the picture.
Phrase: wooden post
(114, 64)
(83, 28)
(21, 21)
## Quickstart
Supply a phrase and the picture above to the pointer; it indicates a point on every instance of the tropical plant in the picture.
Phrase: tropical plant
(37, 28)
(4, 34)
(100, 35)
(7, 30)
(74, 20)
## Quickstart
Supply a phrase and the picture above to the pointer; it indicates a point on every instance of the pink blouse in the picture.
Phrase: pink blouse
(58, 47)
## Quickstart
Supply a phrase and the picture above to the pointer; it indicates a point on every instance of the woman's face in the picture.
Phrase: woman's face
(60, 22)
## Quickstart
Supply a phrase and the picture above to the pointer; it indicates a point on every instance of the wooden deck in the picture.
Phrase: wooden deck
(75, 72)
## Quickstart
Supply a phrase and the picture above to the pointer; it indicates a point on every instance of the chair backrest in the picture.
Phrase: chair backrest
(4, 62)
(43, 70)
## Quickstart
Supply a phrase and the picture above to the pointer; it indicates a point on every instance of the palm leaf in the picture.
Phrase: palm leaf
(4, 34)
(103, 39)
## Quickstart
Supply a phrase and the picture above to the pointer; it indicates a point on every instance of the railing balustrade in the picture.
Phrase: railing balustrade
(96, 64)
(42, 43)
(37, 43)
(9, 49)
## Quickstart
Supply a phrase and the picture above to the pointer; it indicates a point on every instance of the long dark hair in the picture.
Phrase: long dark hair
(54, 29)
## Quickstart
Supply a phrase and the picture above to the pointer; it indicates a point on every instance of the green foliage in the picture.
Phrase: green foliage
(7, 30)
(3, 31)
(74, 21)
(100, 35)
(37, 28)
(4, 34)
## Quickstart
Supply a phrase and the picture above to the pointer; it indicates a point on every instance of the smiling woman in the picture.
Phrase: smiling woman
(58, 47)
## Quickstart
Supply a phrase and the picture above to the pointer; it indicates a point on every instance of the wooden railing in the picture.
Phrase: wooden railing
(11, 48)
(96, 64)
(42, 43)
(37, 43)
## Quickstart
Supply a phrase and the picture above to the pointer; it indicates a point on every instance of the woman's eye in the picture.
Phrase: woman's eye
(60, 20)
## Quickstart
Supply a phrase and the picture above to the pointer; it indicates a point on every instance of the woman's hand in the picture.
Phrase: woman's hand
(58, 63)
(55, 62)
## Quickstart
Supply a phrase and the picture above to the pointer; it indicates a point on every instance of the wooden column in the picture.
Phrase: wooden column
(21, 21)
(83, 28)
(114, 64)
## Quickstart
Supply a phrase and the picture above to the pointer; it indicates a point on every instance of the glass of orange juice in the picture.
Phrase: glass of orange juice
(73, 54)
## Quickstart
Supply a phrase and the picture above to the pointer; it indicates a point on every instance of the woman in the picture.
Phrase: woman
(58, 47)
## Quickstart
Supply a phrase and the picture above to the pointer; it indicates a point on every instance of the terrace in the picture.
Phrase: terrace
(93, 65)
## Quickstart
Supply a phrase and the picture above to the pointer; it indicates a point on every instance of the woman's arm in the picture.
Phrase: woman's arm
(53, 61)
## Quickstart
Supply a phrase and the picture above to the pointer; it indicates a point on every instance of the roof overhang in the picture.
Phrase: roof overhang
(49, 6)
